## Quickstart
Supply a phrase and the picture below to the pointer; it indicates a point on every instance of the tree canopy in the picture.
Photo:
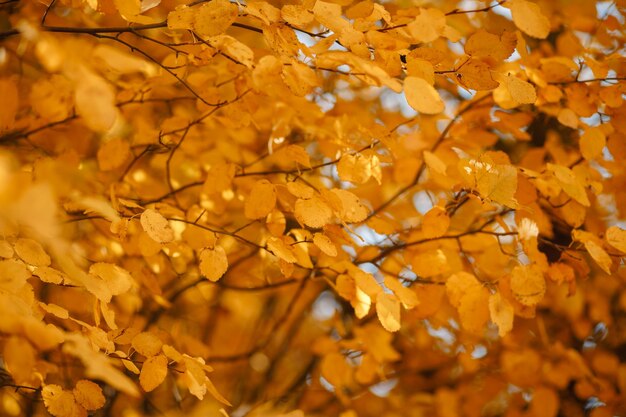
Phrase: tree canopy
(312, 208)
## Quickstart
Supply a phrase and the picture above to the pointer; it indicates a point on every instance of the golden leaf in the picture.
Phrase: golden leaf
(213, 263)
(501, 312)
(422, 96)
(528, 18)
(570, 183)
(147, 344)
(487, 45)
(528, 284)
(117, 279)
(89, 395)
(352, 210)
(213, 18)
(407, 297)
(31, 252)
(521, 91)
(435, 222)
(388, 311)
(153, 372)
(616, 237)
(261, 200)
(283, 251)
(113, 153)
(476, 75)
(61, 403)
(19, 359)
(592, 142)
(313, 212)
(324, 244)
(156, 226)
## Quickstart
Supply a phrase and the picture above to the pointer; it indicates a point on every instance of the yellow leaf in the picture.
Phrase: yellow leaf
(429, 264)
(131, 366)
(279, 248)
(300, 189)
(501, 312)
(496, 182)
(358, 168)
(233, 48)
(219, 178)
(427, 26)
(476, 75)
(616, 238)
(570, 184)
(313, 212)
(365, 281)
(213, 263)
(123, 62)
(215, 393)
(487, 45)
(388, 311)
(599, 255)
(181, 18)
(113, 153)
(214, 18)
(61, 403)
(261, 200)
(156, 226)
(95, 100)
(10, 103)
(55, 310)
(324, 243)
(592, 142)
(361, 303)
(568, 118)
(6, 250)
(50, 275)
(435, 222)
(352, 210)
(147, 344)
(153, 372)
(435, 163)
(19, 359)
(13, 275)
(474, 309)
(521, 91)
(528, 284)
(529, 19)
(422, 96)
(297, 15)
(117, 279)
(263, 11)
(459, 284)
(130, 10)
(89, 395)
(407, 297)
(300, 78)
(31, 252)
(299, 155)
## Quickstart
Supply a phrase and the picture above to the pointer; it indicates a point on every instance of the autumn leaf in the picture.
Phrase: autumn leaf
(89, 395)
(388, 311)
(156, 226)
(529, 18)
(261, 200)
(153, 372)
(528, 284)
(213, 263)
(422, 96)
